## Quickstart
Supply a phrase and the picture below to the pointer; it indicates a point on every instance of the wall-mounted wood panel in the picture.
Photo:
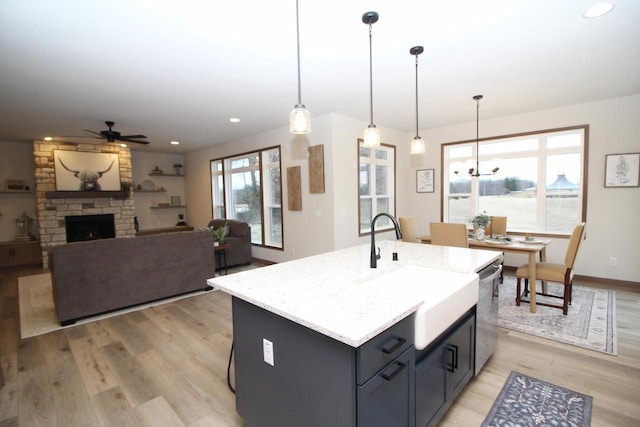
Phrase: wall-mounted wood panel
(316, 169)
(294, 188)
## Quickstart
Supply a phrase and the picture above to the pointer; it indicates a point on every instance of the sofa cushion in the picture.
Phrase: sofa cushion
(236, 228)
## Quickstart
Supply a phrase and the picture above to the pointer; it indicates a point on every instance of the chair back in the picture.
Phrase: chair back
(574, 242)
(409, 229)
(498, 225)
(449, 234)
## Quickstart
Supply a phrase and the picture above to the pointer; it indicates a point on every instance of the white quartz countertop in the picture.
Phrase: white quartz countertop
(339, 295)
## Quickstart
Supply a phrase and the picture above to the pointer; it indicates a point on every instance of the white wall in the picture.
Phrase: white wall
(612, 213)
(142, 164)
(346, 132)
(306, 232)
(16, 162)
(330, 221)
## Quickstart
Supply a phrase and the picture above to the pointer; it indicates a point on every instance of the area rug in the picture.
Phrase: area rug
(590, 322)
(526, 401)
(37, 312)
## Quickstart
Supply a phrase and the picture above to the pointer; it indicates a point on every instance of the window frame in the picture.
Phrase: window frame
(541, 152)
(391, 182)
(265, 186)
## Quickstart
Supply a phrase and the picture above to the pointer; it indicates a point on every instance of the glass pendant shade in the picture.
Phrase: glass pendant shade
(300, 120)
(417, 145)
(371, 136)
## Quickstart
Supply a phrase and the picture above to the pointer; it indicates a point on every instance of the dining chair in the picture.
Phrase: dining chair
(449, 234)
(498, 225)
(409, 229)
(552, 272)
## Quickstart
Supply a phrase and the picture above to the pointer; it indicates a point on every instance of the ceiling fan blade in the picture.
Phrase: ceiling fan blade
(95, 133)
(132, 136)
(80, 136)
(133, 140)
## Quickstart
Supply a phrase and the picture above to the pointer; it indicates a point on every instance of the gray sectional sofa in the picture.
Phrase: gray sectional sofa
(104, 275)
(238, 238)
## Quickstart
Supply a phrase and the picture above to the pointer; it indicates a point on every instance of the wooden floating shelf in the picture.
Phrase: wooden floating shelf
(168, 207)
(85, 194)
(164, 190)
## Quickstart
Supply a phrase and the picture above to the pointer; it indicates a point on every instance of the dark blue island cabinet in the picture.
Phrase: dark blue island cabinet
(288, 375)
(443, 369)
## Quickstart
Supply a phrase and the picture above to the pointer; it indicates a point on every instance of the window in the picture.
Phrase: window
(540, 187)
(376, 184)
(247, 187)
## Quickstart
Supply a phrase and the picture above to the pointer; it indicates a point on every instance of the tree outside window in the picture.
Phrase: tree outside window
(247, 188)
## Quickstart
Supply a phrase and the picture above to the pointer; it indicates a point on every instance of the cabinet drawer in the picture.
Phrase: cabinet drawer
(388, 398)
(383, 348)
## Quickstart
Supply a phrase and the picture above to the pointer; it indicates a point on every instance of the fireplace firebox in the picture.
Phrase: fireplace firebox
(89, 227)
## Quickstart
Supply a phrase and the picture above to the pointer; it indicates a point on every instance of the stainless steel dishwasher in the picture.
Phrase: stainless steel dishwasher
(487, 313)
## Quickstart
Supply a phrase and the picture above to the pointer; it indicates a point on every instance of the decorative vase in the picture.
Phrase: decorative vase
(480, 233)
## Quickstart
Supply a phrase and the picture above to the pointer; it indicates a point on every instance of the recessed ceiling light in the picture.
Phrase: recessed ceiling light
(48, 138)
(175, 142)
(123, 145)
(598, 9)
(234, 120)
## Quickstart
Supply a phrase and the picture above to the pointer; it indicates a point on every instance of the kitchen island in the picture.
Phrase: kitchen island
(326, 340)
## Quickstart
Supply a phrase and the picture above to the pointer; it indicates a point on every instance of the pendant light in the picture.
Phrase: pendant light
(417, 144)
(300, 117)
(476, 171)
(371, 133)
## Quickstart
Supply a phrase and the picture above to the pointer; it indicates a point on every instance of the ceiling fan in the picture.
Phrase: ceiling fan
(112, 136)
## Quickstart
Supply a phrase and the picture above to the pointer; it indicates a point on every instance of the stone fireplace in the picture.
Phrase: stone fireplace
(53, 206)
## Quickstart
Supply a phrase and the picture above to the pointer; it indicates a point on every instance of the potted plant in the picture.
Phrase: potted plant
(125, 187)
(177, 167)
(480, 222)
(218, 234)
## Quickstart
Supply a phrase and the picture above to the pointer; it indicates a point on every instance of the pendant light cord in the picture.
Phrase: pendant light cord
(417, 95)
(478, 136)
(298, 41)
(370, 75)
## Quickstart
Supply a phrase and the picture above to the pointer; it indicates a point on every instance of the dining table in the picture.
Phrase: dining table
(517, 245)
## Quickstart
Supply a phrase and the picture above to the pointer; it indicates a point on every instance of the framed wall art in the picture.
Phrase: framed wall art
(424, 180)
(175, 200)
(294, 188)
(622, 170)
(85, 171)
(316, 169)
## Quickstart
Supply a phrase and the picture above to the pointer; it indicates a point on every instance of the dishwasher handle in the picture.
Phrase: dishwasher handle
(491, 276)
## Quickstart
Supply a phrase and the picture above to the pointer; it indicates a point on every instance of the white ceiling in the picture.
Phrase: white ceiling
(179, 70)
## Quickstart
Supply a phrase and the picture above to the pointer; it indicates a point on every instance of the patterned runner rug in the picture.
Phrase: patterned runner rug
(590, 323)
(526, 401)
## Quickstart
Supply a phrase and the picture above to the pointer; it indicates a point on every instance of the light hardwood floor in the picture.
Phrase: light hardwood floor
(166, 366)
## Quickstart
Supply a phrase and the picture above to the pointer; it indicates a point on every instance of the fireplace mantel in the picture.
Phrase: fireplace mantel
(85, 194)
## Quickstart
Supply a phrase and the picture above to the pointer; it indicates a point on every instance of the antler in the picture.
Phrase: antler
(106, 170)
(75, 173)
